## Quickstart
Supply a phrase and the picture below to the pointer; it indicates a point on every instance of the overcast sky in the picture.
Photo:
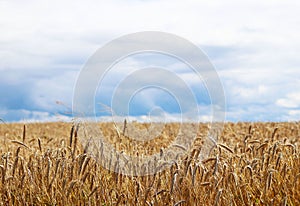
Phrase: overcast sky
(254, 46)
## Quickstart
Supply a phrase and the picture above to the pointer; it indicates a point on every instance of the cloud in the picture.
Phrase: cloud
(253, 45)
(292, 100)
(293, 115)
(31, 94)
(22, 115)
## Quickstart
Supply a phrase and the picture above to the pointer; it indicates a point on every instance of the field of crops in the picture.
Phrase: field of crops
(252, 164)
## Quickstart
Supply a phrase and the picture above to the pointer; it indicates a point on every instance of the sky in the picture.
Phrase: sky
(253, 45)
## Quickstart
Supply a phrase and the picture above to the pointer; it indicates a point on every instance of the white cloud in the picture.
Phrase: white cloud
(22, 115)
(294, 113)
(258, 60)
(292, 100)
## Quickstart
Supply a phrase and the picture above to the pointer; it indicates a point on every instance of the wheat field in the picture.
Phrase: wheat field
(252, 164)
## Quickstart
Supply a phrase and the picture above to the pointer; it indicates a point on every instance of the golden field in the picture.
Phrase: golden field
(252, 164)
